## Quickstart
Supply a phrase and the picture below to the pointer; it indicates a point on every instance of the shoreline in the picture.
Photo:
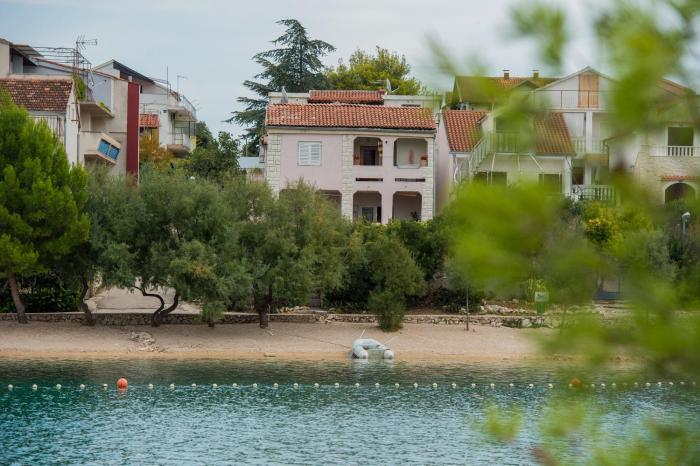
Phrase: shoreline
(282, 341)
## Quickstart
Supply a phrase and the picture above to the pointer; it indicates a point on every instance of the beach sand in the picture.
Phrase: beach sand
(415, 342)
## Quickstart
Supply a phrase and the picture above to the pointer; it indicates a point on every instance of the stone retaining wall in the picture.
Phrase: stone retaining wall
(123, 319)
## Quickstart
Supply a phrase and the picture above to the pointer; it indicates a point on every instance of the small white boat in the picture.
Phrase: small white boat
(364, 348)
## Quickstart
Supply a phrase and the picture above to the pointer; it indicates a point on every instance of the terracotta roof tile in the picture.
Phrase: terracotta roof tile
(679, 178)
(552, 135)
(349, 116)
(462, 127)
(346, 96)
(148, 120)
(39, 95)
(463, 132)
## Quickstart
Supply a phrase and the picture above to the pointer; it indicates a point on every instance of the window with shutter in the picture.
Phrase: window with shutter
(310, 153)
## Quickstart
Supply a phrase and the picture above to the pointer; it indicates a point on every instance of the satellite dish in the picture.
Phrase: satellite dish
(285, 99)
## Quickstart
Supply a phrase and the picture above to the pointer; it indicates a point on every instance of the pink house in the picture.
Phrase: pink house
(371, 153)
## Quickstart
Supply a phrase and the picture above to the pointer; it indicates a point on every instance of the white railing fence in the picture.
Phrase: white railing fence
(593, 192)
(597, 146)
(673, 151)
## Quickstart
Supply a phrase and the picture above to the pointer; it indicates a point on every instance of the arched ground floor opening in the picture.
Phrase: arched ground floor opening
(334, 197)
(407, 205)
(678, 191)
(367, 205)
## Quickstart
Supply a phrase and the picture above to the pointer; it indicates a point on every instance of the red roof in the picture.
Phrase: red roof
(462, 128)
(39, 95)
(552, 135)
(346, 97)
(463, 132)
(349, 116)
(679, 178)
(148, 120)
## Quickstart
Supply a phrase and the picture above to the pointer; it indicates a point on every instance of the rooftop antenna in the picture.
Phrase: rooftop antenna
(285, 98)
(179, 77)
(78, 59)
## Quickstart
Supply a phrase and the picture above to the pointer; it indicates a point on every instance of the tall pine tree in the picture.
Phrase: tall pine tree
(42, 200)
(294, 65)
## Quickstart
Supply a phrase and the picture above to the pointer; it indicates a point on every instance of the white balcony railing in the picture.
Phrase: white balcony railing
(596, 146)
(55, 124)
(571, 99)
(673, 151)
(593, 192)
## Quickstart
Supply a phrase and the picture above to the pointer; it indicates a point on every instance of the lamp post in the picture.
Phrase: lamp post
(684, 222)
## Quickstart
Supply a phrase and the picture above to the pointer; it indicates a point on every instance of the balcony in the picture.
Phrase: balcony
(180, 144)
(594, 146)
(572, 99)
(593, 192)
(672, 151)
(55, 123)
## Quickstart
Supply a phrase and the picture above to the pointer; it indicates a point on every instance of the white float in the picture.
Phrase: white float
(10, 387)
(35, 387)
(82, 386)
(172, 386)
(58, 386)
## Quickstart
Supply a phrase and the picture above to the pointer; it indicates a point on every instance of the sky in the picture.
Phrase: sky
(211, 42)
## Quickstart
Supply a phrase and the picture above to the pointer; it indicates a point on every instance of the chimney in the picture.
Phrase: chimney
(535, 73)
(506, 74)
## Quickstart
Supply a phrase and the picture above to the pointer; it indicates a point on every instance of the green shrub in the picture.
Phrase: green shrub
(44, 293)
(389, 307)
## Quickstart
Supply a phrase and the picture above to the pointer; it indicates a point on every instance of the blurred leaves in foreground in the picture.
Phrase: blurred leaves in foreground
(507, 239)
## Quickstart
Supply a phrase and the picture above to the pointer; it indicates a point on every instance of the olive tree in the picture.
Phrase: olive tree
(292, 247)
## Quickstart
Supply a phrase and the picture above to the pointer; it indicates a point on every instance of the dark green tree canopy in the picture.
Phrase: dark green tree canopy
(217, 160)
(42, 199)
(367, 70)
(295, 64)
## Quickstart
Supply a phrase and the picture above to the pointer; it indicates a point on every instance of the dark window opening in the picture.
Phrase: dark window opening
(495, 178)
(550, 182)
(680, 136)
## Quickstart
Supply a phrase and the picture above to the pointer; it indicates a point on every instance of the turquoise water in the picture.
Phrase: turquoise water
(306, 425)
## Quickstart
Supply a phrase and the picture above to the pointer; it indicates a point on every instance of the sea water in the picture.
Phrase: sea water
(302, 424)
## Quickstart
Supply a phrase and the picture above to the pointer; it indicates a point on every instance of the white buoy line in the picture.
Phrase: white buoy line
(415, 385)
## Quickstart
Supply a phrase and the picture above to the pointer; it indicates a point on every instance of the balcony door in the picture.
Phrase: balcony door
(368, 155)
(588, 89)
(680, 141)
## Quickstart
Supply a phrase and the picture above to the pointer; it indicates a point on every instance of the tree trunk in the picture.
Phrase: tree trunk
(263, 306)
(153, 295)
(89, 318)
(157, 317)
(16, 299)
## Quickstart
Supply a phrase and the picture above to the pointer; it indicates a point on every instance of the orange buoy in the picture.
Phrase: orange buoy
(122, 383)
(575, 382)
